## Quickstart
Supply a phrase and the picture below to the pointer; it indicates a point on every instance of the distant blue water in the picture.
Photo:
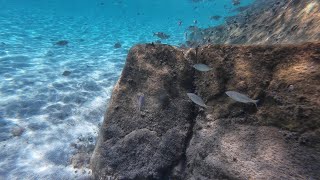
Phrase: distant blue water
(55, 111)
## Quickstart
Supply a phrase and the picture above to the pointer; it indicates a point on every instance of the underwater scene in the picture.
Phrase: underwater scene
(61, 60)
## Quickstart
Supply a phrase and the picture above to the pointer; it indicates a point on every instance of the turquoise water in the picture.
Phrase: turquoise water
(47, 118)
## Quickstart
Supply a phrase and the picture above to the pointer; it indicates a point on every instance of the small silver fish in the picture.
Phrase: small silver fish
(216, 17)
(241, 97)
(140, 101)
(202, 67)
(161, 35)
(196, 99)
(236, 2)
(192, 28)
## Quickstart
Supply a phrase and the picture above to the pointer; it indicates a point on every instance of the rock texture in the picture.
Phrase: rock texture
(280, 139)
(172, 138)
(266, 22)
(146, 144)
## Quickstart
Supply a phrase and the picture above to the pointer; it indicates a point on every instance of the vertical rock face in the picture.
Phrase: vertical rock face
(173, 138)
(146, 143)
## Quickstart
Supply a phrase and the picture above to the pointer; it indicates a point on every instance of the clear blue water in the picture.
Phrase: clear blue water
(58, 114)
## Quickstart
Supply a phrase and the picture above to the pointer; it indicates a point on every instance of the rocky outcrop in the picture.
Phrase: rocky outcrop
(280, 139)
(146, 144)
(172, 138)
(266, 22)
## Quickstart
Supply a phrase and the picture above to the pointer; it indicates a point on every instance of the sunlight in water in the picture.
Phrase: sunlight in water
(59, 61)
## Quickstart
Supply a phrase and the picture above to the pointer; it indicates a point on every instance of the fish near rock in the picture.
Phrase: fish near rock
(241, 98)
(215, 18)
(161, 35)
(196, 99)
(193, 28)
(202, 67)
(236, 2)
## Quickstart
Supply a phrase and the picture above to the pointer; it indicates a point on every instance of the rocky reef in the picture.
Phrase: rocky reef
(152, 130)
(265, 22)
(172, 138)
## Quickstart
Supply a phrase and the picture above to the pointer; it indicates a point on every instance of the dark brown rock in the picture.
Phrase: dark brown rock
(229, 140)
(147, 144)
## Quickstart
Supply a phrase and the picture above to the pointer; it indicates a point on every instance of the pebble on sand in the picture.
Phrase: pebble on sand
(62, 43)
(117, 45)
(17, 131)
(66, 73)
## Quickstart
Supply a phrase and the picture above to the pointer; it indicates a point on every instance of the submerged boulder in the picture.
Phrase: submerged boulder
(278, 140)
(172, 138)
(145, 143)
